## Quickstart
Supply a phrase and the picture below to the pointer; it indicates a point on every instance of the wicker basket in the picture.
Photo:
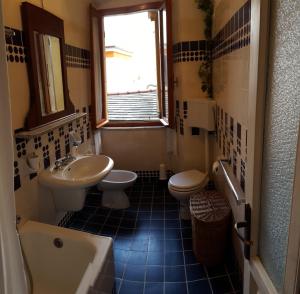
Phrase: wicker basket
(211, 216)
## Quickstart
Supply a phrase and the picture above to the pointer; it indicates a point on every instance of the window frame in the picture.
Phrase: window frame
(162, 121)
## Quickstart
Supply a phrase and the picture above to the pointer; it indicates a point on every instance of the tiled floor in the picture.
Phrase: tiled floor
(152, 246)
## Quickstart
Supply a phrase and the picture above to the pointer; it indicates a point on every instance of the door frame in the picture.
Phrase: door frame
(292, 271)
(256, 279)
(255, 276)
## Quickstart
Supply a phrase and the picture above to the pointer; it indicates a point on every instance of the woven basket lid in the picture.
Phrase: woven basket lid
(209, 206)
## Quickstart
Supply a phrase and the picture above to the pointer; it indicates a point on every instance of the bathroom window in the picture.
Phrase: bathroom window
(136, 65)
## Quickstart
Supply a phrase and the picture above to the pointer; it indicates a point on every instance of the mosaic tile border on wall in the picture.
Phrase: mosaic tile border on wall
(49, 147)
(17, 52)
(235, 34)
(191, 51)
(77, 57)
(232, 143)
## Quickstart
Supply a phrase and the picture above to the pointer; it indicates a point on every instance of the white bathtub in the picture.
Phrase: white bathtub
(83, 264)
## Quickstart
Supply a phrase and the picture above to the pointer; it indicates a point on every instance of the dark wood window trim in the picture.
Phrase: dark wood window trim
(36, 19)
(126, 124)
(100, 14)
(96, 124)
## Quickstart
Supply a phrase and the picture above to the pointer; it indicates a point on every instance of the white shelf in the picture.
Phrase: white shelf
(50, 126)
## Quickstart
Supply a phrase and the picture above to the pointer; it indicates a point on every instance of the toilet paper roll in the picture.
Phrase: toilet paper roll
(215, 167)
(162, 172)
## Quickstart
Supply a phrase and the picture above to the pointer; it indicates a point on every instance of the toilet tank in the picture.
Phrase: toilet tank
(201, 113)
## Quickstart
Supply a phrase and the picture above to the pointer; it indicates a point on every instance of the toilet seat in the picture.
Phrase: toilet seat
(187, 181)
(185, 190)
(119, 177)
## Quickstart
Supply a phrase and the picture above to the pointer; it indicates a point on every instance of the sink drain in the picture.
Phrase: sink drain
(58, 243)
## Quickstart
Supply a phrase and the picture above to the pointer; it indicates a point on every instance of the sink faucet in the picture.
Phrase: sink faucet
(63, 161)
(58, 164)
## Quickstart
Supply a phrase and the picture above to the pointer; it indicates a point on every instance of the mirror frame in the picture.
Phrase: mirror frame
(36, 19)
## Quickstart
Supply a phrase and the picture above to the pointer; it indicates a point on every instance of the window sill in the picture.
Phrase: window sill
(136, 125)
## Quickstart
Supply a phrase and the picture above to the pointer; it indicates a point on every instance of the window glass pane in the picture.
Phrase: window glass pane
(131, 67)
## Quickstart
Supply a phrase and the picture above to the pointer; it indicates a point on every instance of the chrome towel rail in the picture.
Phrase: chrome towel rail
(237, 192)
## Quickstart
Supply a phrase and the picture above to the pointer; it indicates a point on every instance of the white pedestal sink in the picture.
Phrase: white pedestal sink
(68, 183)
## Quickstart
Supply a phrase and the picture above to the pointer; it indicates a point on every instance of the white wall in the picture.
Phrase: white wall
(135, 149)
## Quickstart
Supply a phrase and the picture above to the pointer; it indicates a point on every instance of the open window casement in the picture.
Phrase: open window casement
(160, 13)
(98, 89)
(166, 63)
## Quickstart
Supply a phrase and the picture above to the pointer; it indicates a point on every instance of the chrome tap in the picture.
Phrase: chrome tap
(58, 164)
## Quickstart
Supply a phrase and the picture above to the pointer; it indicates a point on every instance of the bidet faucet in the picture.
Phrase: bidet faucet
(58, 164)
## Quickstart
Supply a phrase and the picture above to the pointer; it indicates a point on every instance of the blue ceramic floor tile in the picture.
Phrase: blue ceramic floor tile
(112, 221)
(172, 215)
(116, 213)
(126, 233)
(154, 288)
(178, 288)
(198, 287)
(127, 223)
(137, 258)
(172, 224)
(221, 285)
(185, 223)
(134, 273)
(108, 231)
(76, 224)
(103, 211)
(143, 224)
(155, 258)
(156, 245)
(157, 224)
(117, 285)
(190, 257)
(140, 234)
(82, 216)
(130, 215)
(129, 287)
(152, 245)
(119, 270)
(187, 244)
(172, 234)
(158, 215)
(236, 280)
(173, 245)
(174, 258)
(121, 256)
(216, 271)
(174, 274)
(88, 209)
(98, 219)
(195, 272)
(157, 234)
(122, 243)
(186, 233)
(154, 274)
(144, 215)
(140, 245)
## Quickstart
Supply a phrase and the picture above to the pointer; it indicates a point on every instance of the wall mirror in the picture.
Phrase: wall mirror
(49, 95)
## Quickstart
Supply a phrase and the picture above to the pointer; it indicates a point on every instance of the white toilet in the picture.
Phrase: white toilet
(183, 185)
(113, 186)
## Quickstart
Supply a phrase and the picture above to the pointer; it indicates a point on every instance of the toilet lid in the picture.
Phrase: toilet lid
(187, 180)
